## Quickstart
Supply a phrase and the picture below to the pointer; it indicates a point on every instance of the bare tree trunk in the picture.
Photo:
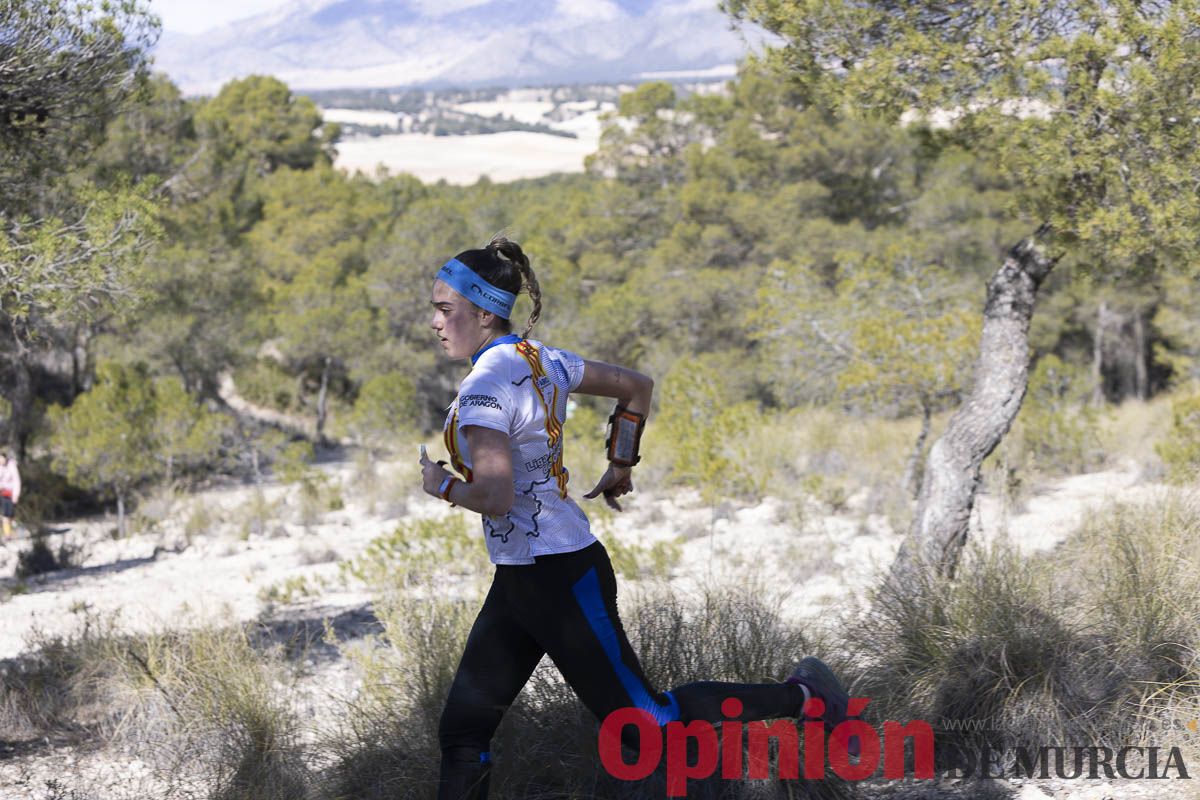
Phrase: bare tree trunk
(321, 395)
(20, 398)
(120, 513)
(940, 524)
(1098, 355)
(78, 354)
(912, 475)
(1141, 380)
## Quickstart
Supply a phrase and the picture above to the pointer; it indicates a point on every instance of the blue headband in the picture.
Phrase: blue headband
(462, 279)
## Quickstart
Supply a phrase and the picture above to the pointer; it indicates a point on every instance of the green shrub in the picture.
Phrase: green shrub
(265, 383)
(633, 560)
(385, 411)
(212, 714)
(419, 551)
(1180, 450)
(1058, 428)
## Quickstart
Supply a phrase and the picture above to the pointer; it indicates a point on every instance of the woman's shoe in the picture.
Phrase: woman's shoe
(815, 675)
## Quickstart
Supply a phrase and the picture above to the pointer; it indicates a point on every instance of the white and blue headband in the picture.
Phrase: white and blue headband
(462, 279)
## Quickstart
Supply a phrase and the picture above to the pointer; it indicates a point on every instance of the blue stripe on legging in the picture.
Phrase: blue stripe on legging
(587, 594)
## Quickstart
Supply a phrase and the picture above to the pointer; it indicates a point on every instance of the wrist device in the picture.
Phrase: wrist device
(625, 436)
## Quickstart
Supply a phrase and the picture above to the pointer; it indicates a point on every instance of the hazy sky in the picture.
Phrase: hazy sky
(193, 16)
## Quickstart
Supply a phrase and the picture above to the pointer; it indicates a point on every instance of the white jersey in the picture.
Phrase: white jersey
(520, 388)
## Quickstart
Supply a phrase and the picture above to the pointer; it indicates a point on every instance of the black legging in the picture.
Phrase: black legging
(565, 606)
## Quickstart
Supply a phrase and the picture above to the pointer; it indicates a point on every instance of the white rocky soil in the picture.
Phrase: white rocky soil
(164, 579)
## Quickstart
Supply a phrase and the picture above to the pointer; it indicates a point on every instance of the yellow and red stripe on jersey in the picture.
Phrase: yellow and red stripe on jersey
(554, 428)
(450, 436)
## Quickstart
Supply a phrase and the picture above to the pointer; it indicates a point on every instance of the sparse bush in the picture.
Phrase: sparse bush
(1132, 431)
(213, 714)
(386, 487)
(315, 491)
(366, 477)
(386, 745)
(40, 557)
(55, 688)
(820, 458)
(1180, 449)
(1137, 569)
(256, 513)
(992, 646)
(155, 507)
(292, 589)
(322, 554)
(633, 560)
(1068, 648)
(726, 633)
(201, 519)
(293, 465)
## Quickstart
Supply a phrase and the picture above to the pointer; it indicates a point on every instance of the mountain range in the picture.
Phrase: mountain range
(324, 44)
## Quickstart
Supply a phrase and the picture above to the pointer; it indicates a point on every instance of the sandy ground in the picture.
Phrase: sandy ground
(507, 156)
(1056, 509)
(159, 580)
(384, 119)
(462, 160)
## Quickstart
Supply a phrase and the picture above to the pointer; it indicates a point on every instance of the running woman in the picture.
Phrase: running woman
(554, 592)
(10, 493)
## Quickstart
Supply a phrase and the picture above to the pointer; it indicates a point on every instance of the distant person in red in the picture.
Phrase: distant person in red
(10, 492)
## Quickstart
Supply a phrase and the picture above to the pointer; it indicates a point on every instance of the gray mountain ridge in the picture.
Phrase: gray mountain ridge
(325, 44)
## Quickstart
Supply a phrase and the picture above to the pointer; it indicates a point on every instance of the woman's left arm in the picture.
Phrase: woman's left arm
(490, 491)
(633, 391)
